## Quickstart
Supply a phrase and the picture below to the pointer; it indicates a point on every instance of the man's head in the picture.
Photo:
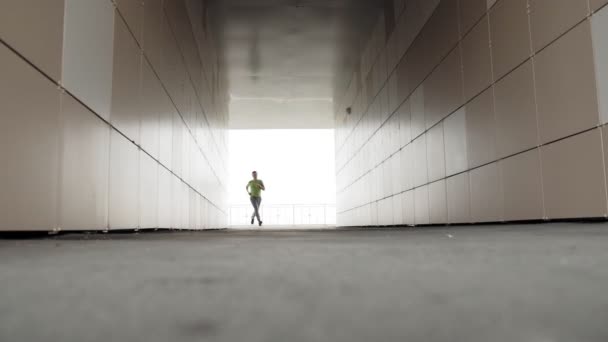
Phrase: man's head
(254, 174)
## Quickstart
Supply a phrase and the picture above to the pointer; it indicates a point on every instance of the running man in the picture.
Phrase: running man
(254, 189)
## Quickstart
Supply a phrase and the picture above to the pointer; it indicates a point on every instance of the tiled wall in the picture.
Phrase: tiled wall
(477, 111)
(112, 116)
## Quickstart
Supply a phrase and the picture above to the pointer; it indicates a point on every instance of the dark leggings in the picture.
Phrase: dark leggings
(256, 201)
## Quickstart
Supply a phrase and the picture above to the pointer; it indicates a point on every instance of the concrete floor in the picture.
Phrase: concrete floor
(503, 283)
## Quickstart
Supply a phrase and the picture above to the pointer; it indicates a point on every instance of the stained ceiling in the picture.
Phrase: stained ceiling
(285, 59)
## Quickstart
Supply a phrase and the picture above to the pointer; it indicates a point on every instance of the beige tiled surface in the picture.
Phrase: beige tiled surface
(394, 99)
(455, 136)
(417, 125)
(397, 209)
(470, 12)
(599, 27)
(604, 134)
(438, 210)
(597, 4)
(435, 153)
(441, 34)
(521, 179)
(407, 167)
(565, 85)
(421, 205)
(516, 127)
(178, 198)
(152, 96)
(387, 186)
(148, 192)
(407, 203)
(164, 198)
(171, 71)
(385, 212)
(420, 161)
(403, 86)
(573, 177)
(124, 183)
(177, 153)
(486, 194)
(443, 89)
(87, 166)
(476, 59)
(510, 35)
(152, 31)
(531, 101)
(167, 112)
(133, 13)
(491, 3)
(396, 176)
(29, 146)
(458, 198)
(551, 18)
(35, 29)
(88, 53)
(85, 163)
(126, 82)
(418, 66)
(481, 128)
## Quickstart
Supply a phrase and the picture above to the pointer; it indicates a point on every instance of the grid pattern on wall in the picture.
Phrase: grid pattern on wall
(475, 111)
(112, 116)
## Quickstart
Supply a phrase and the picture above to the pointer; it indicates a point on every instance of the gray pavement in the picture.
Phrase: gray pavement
(503, 283)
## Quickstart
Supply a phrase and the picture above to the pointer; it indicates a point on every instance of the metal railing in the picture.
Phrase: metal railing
(285, 214)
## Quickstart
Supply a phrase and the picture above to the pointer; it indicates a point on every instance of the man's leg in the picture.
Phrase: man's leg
(255, 201)
(255, 209)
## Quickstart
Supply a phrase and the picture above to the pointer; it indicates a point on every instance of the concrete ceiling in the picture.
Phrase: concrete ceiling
(284, 59)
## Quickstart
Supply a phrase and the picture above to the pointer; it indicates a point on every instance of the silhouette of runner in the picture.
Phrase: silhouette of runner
(254, 189)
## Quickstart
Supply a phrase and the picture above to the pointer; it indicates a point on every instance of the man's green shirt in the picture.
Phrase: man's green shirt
(255, 187)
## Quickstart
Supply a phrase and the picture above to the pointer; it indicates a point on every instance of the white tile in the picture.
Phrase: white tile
(408, 211)
(35, 29)
(438, 210)
(373, 214)
(152, 104)
(148, 191)
(459, 201)
(573, 177)
(455, 130)
(486, 194)
(397, 209)
(521, 179)
(85, 163)
(88, 53)
(29, 146)
(164, 198)
(599, 30)
(407, 168)
(420, 161)
(435, 153)
(421, 205)
(177, 201)
(418, 124)
(395, 162)
(124, 175)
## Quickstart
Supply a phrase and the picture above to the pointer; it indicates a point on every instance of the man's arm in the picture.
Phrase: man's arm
(262, 186)
(247, 189)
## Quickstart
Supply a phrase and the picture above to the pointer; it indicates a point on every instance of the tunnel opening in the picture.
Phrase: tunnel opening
(297, 167)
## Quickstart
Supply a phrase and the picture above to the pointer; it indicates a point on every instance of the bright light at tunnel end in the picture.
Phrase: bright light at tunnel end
(298, 169)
